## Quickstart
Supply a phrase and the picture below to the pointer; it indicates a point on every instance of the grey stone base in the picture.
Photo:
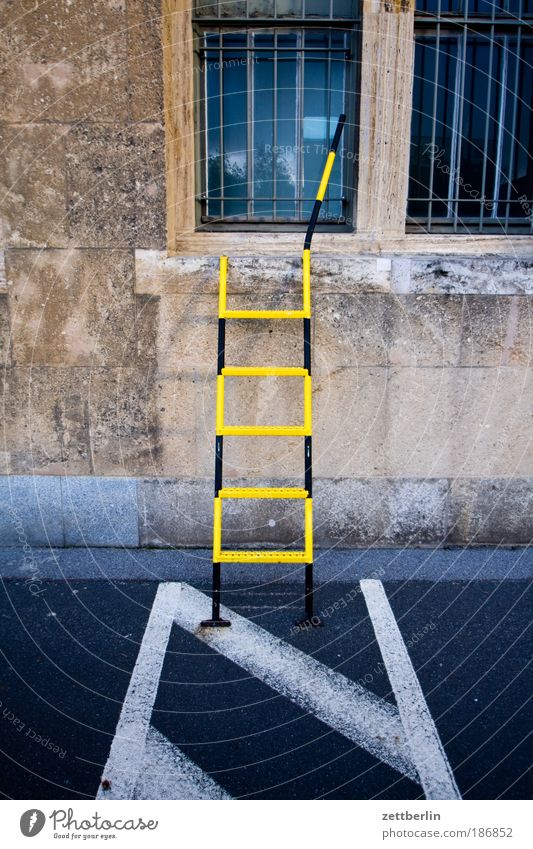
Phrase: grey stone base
(132, 513)
(35, 566)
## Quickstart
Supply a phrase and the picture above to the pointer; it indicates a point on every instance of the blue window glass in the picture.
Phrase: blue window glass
(472, 130)
(271, 99)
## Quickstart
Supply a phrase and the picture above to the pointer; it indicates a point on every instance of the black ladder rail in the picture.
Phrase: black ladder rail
(310, 619)
(216, 620)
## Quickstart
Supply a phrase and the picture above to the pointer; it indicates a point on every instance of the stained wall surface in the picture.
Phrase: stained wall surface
(423, 390)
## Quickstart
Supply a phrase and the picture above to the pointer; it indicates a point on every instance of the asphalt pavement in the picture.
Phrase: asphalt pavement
(70, 648)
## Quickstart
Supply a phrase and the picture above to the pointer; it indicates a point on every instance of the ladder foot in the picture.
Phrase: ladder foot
(215, 623)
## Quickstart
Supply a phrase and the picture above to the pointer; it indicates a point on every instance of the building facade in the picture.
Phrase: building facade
(141, 140)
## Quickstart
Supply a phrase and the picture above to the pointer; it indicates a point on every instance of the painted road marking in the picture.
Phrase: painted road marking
(167, 773)
(345, 706)
(423, 740)
(128, 747)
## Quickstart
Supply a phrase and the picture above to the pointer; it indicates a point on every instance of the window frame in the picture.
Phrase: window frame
(384, 117)
(351, 104)
(460, 26)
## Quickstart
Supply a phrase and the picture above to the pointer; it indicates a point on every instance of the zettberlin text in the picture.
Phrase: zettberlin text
(407, 815)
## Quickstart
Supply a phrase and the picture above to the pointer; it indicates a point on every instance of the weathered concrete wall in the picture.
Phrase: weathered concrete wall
(423, 400)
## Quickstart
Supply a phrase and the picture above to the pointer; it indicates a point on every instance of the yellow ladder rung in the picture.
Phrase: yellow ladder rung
(263, 371)
(264, 314)
(263, 430)
(262, 492)
(262, 557)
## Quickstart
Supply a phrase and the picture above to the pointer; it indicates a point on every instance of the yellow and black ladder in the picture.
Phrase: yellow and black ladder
(305, 430)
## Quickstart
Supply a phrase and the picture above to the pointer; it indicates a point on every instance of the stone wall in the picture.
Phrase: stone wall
(423, 400)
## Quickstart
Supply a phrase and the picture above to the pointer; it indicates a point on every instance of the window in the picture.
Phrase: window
(274, 75)
(472, 129)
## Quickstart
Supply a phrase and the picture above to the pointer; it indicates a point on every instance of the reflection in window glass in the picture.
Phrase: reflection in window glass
(272, 99)
(472, 131)
(279, 9)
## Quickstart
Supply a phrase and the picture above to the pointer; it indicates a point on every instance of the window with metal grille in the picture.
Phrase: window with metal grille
(472, 130)
(273, 77)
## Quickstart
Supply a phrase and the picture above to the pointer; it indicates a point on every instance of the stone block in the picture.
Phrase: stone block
(349, 423)
(278, 275)
(269, 401)
(417, 511)
(255, 458)
(489, 432)
(176, 512)
(5, 332)
(418, 419)
(122, 422)
(46, 433)
(82, 421)
(491, 511)
(263, 522)
(276, 343)
(350, 331)
(483, 275)
(347, 512)
(145, 61)
(179, 430)
(116, 186)
(63, 64)
(3, 280)
(100, 511)
(179, 332)
(252, 401)
(375, 329)
(423, 330)
(30, 514)
(497, 331)
(335, 273)
(72, 307)
(350, 511)
(156, 273)
(379, 511)
(33, 186)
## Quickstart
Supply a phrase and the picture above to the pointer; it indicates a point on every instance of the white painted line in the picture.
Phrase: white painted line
(428, 754)
(127, 750)
(345, 706)
(167, 773)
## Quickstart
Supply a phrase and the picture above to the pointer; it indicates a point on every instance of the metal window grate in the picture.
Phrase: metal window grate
(472, 124)
(270, 92)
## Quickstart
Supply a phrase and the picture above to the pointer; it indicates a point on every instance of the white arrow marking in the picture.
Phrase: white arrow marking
(428, 754)
(345, 706)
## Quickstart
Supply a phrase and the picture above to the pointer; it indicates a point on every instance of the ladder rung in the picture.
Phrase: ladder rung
(263, 371)
(262, 492)
(264, 314)
(263, 430)
(262, 557)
